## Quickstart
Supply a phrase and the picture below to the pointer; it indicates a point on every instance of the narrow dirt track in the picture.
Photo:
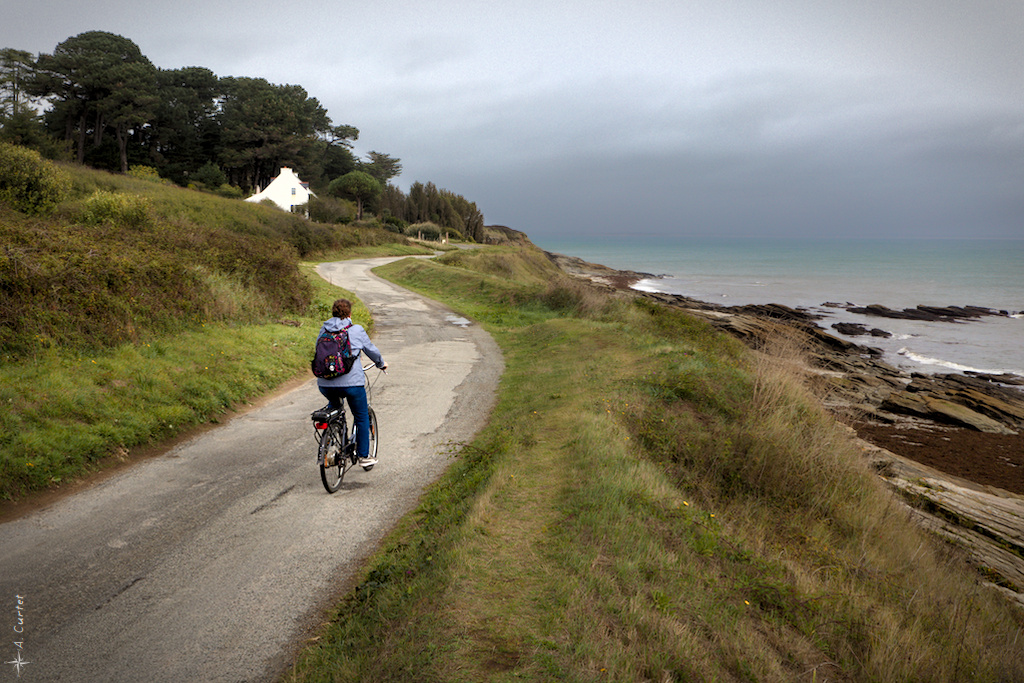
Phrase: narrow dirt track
(215, 560)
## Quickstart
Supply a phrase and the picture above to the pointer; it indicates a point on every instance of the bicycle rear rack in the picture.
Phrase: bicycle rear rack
(321, 418)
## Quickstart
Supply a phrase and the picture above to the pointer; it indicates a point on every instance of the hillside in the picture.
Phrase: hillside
(132, 310)
(121, 258)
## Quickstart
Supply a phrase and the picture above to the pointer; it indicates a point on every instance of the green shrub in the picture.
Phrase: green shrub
(145, 173)
(116, 208)
(425, 231)
(230, 191)
(331, 210)
(571, 296)
(28, 183)
(210, 175)
(394, 224)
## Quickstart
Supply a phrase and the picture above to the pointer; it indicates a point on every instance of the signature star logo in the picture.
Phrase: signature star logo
(18, 663)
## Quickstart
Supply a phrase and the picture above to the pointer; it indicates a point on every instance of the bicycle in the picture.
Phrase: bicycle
(336, 445)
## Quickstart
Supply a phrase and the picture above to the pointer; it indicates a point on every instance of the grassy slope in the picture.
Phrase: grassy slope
(121, 332)
(652, 502)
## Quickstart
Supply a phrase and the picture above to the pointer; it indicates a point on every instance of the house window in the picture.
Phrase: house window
(293, 190)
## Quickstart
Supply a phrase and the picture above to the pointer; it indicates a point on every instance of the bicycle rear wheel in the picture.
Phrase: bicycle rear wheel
(332, 451)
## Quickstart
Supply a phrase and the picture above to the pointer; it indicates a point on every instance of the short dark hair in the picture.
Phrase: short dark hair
(342, 308)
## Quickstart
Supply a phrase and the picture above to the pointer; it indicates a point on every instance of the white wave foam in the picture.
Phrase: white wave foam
(926, 360)
(646, 286)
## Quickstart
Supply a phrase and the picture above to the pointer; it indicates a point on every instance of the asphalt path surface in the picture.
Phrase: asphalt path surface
(216, 560)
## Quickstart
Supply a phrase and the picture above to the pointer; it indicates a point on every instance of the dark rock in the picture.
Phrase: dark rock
(885, 312)
(858, 330)
(1002, 403)
(1005, 378)
(927, 313)
(776, 312)
(941, 410)
(850, 329)
(928, 396)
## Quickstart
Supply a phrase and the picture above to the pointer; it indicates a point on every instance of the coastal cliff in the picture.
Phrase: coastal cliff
(952, 444)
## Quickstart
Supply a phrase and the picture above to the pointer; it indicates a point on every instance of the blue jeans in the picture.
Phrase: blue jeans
(360, 412)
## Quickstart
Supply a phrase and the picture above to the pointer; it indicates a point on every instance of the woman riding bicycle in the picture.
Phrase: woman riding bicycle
(351, 385)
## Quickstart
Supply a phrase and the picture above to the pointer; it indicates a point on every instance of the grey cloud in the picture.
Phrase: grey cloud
(728, 117)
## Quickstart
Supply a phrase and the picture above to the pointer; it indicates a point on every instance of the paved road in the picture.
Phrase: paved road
(214, 561)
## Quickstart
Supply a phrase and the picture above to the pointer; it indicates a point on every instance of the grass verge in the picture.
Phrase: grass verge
(65, 414)
(652, 502)
(133, 310)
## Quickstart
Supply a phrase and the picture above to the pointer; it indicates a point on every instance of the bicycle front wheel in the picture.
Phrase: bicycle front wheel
(332, 458)
(373, 434)
(372, 453)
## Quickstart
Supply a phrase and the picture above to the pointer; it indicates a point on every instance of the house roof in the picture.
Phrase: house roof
(286, 178)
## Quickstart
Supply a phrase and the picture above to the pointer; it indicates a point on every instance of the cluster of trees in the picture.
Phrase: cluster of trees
(448, 211)
(427, 204)
(114, 108)
(106, 105)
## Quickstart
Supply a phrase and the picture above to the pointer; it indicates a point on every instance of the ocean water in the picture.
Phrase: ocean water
(808, 273)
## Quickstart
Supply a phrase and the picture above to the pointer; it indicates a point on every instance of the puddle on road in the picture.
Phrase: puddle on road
(458, 320)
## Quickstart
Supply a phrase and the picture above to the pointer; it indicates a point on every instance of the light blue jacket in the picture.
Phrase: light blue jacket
(360, 343)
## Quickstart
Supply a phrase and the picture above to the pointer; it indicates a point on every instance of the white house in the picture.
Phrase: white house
(286, 190)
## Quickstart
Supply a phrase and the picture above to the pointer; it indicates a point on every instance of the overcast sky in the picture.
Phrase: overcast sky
(683, 118)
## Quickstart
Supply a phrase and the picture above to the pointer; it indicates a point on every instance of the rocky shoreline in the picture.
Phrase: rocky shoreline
(928, 313)
(954, 443)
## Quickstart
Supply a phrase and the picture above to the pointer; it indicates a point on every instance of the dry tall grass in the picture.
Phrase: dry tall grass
(848, 541)
(653, 502)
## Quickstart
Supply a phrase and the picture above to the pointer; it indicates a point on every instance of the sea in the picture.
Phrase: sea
(810, 273)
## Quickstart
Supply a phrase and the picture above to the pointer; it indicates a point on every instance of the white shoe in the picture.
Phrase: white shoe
(367, 463)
